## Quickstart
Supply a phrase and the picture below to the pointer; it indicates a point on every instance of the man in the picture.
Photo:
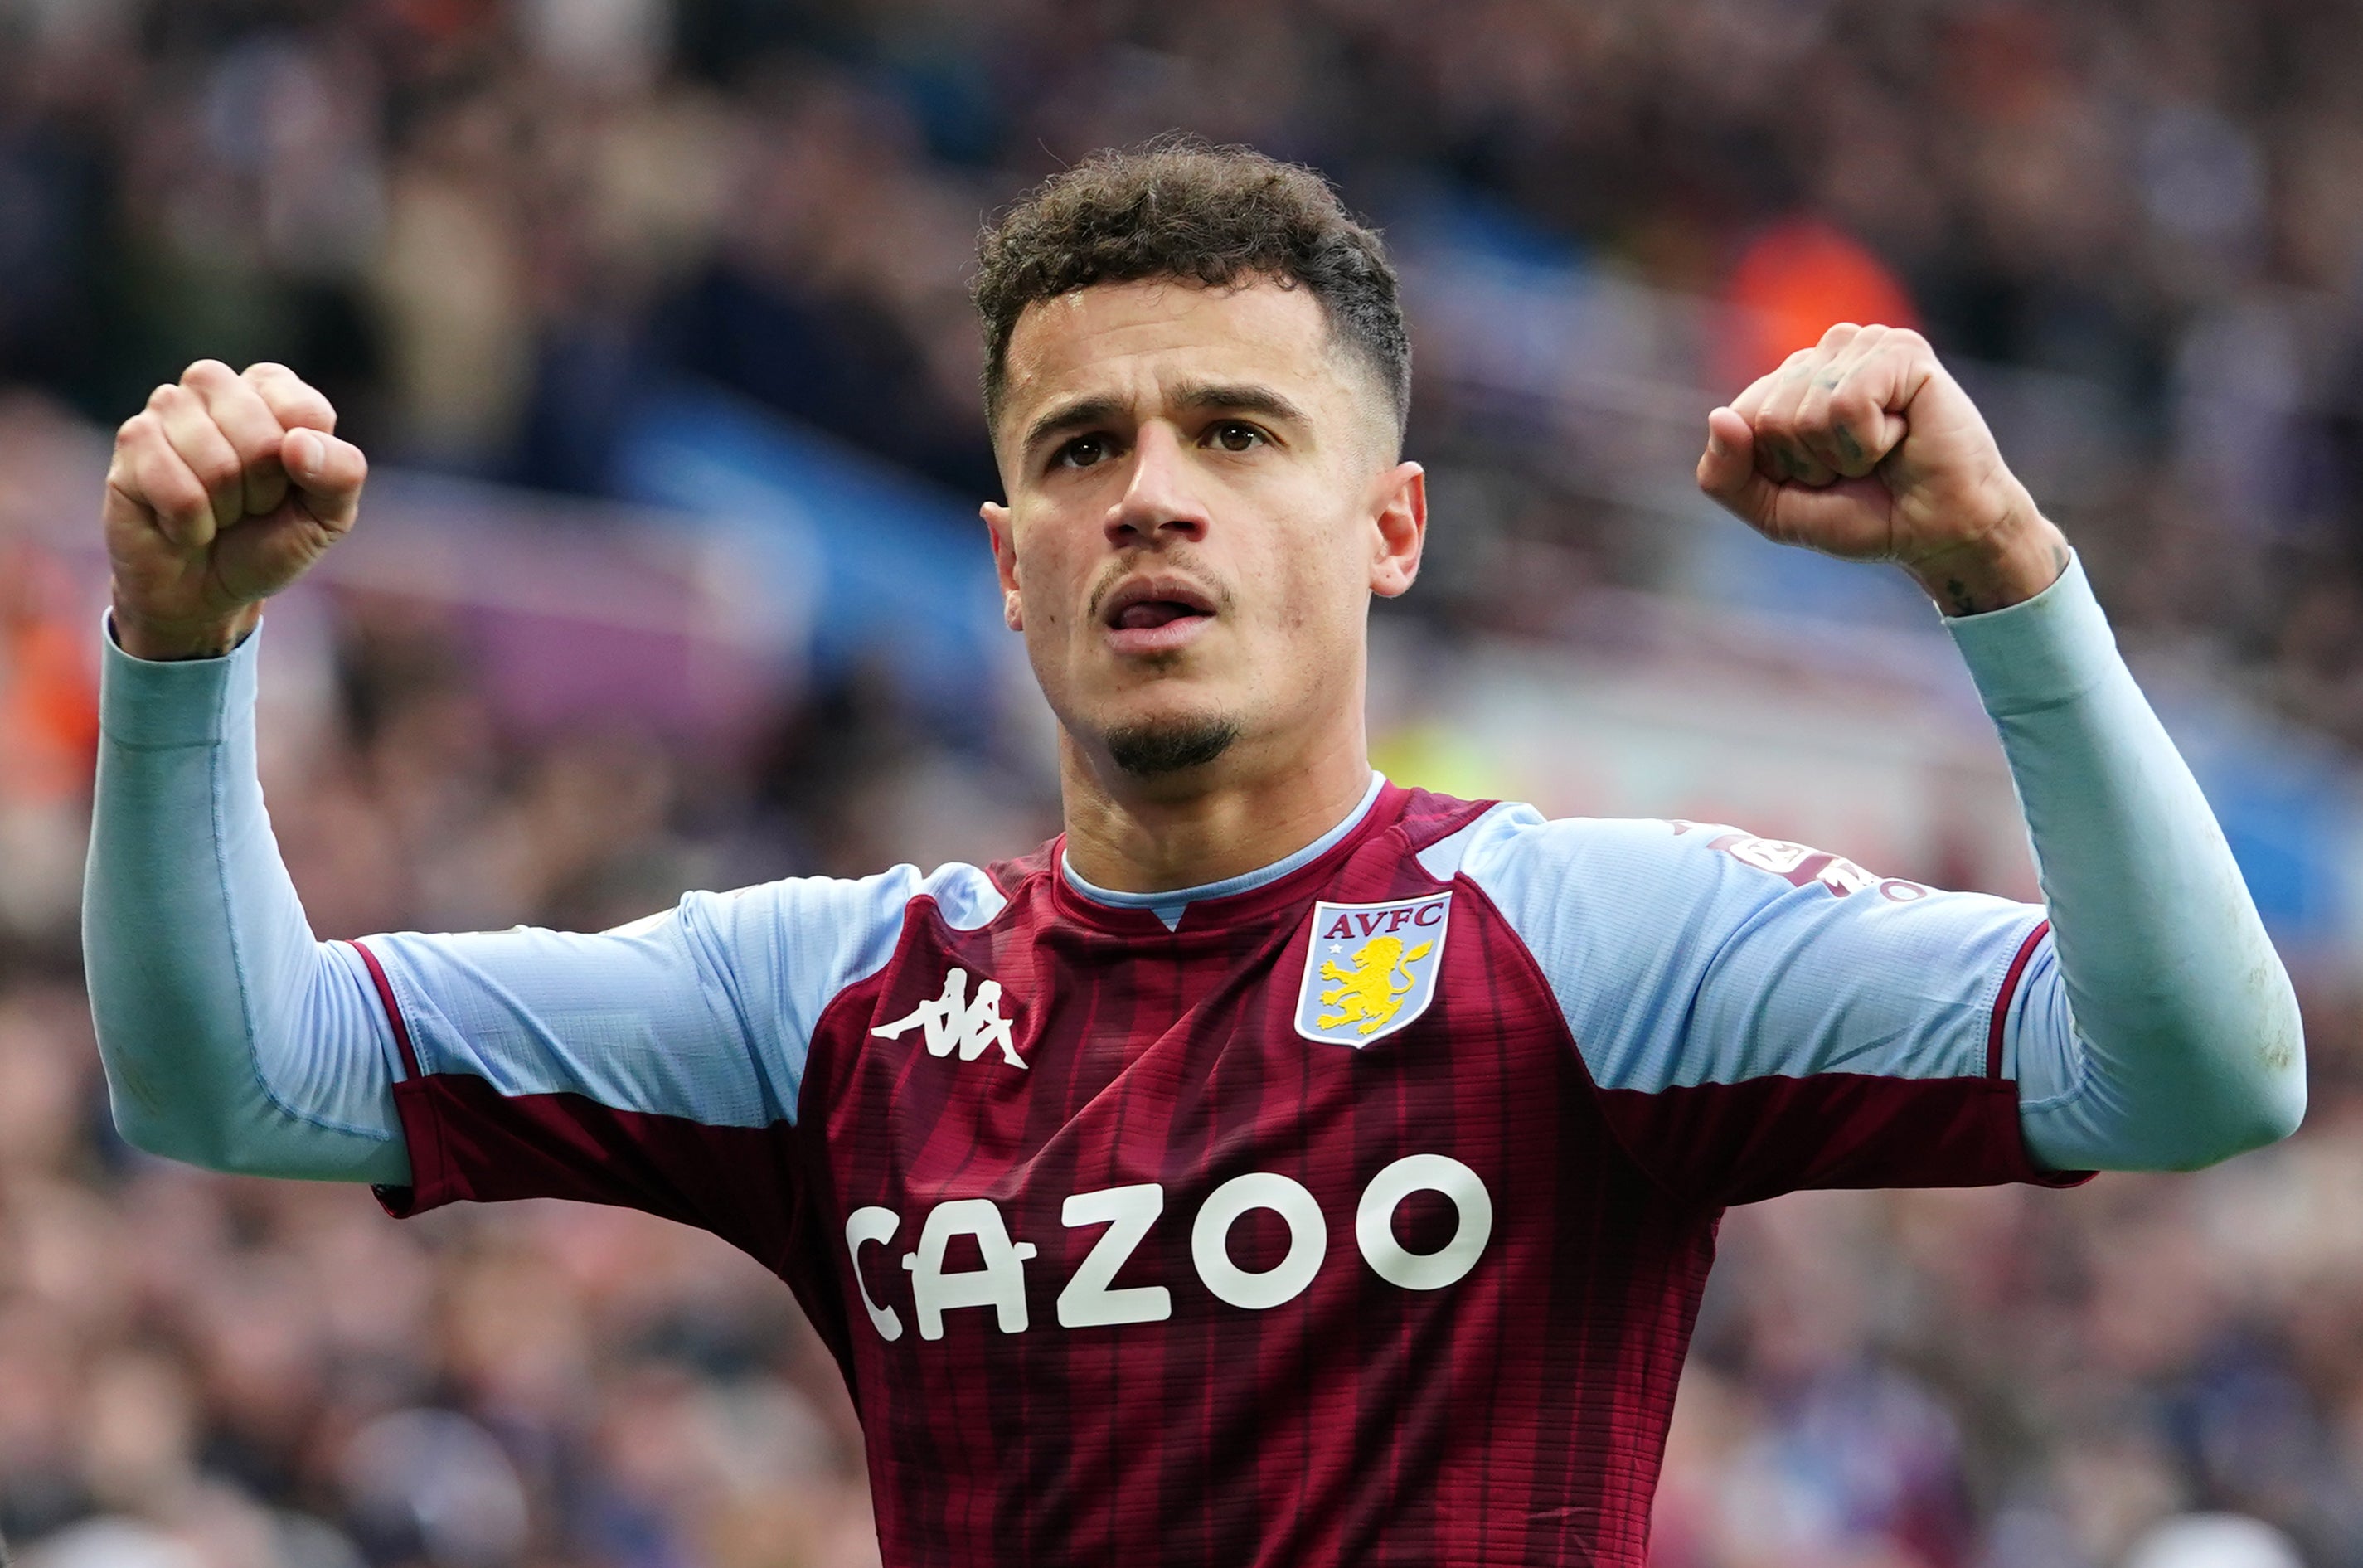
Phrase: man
(1282, 1166)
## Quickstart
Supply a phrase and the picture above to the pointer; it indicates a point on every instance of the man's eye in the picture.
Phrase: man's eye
(1082, 451)
(1233, 436)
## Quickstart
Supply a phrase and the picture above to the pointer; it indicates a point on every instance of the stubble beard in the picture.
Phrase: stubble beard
(1153, 747)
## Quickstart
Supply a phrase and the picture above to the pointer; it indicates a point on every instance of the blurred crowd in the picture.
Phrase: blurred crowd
(487, 227)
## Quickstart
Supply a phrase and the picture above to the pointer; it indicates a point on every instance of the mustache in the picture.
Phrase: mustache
(1177, 564)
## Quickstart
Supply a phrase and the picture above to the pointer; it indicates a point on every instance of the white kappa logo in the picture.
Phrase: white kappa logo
(953, 1022)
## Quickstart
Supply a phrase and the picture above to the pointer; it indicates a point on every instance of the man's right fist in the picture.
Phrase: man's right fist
(223, 491)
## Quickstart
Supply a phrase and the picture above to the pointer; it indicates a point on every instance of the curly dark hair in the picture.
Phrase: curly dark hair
(1214, 215)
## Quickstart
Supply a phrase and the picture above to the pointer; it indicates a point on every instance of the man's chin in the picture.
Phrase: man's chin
(1155, 748)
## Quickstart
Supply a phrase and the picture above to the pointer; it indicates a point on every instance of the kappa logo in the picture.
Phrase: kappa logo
(1370, 969)
(953, 1022)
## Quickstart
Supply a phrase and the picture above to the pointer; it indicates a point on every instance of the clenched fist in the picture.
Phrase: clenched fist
(1863, 447)
(223, 491)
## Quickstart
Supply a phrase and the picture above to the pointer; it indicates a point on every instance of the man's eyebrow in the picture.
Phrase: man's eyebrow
(1085, 411)
(1245, 397)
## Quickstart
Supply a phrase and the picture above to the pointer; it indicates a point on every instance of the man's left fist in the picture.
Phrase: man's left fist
(1863, 447)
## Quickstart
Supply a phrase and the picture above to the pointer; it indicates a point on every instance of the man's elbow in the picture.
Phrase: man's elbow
(2262, 1097)
(2182, 1093)
(2275, 1105)
(2238, 1132)
(166, 1116)
(199, 1141)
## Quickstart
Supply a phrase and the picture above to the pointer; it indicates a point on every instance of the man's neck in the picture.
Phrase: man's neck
(1129, 838)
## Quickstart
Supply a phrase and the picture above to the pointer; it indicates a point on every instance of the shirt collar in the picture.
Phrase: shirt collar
(1168, 905)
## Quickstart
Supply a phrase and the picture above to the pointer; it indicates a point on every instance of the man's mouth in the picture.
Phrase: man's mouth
(1155, 614)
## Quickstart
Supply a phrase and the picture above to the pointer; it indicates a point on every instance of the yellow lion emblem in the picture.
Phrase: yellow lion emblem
(1367, 991)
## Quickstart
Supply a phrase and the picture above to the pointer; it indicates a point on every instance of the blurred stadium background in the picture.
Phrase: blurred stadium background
(651, 314)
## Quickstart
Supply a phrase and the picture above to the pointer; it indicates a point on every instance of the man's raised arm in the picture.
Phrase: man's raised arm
(2167, 1036)
(643, 1066)
(231, 1039)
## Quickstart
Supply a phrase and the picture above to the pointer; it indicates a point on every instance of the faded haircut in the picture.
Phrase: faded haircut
(1216, 216)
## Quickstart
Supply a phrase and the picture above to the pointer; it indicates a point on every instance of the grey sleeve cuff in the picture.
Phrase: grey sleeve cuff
(2048, 649)
(149, 705)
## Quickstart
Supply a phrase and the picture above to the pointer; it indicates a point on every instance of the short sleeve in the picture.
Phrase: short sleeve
(657, 1067)
(1758, 1015)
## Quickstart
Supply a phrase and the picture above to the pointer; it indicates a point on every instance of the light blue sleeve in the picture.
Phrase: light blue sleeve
(704, 1012)
(231, 1039)
(1686, 954)
(2150, 1027)
(2160, 1032)
(234, 1040)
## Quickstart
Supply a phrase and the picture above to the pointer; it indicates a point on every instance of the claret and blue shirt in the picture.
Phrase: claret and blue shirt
(1354, 1210)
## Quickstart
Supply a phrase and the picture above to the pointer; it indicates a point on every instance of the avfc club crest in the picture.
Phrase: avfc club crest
(1370, 969)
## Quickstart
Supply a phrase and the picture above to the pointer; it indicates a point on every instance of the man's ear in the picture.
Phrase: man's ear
(1399, 518)
(1005, 561)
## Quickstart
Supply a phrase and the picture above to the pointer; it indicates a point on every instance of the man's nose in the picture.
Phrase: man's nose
(1159, 506)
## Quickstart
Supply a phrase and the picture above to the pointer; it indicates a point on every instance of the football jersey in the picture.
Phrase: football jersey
(1356, 1212)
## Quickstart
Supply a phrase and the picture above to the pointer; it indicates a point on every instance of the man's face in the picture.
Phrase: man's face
(1203, 496)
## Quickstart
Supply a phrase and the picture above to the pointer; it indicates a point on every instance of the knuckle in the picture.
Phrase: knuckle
(177, 494)
(164, 397)
(206, 372)
(1839, 334)
(238, 399)
(290, 398)
(251, 432)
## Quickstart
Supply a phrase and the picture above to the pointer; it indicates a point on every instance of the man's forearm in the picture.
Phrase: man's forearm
(2187, 1046)
(231, 1039)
